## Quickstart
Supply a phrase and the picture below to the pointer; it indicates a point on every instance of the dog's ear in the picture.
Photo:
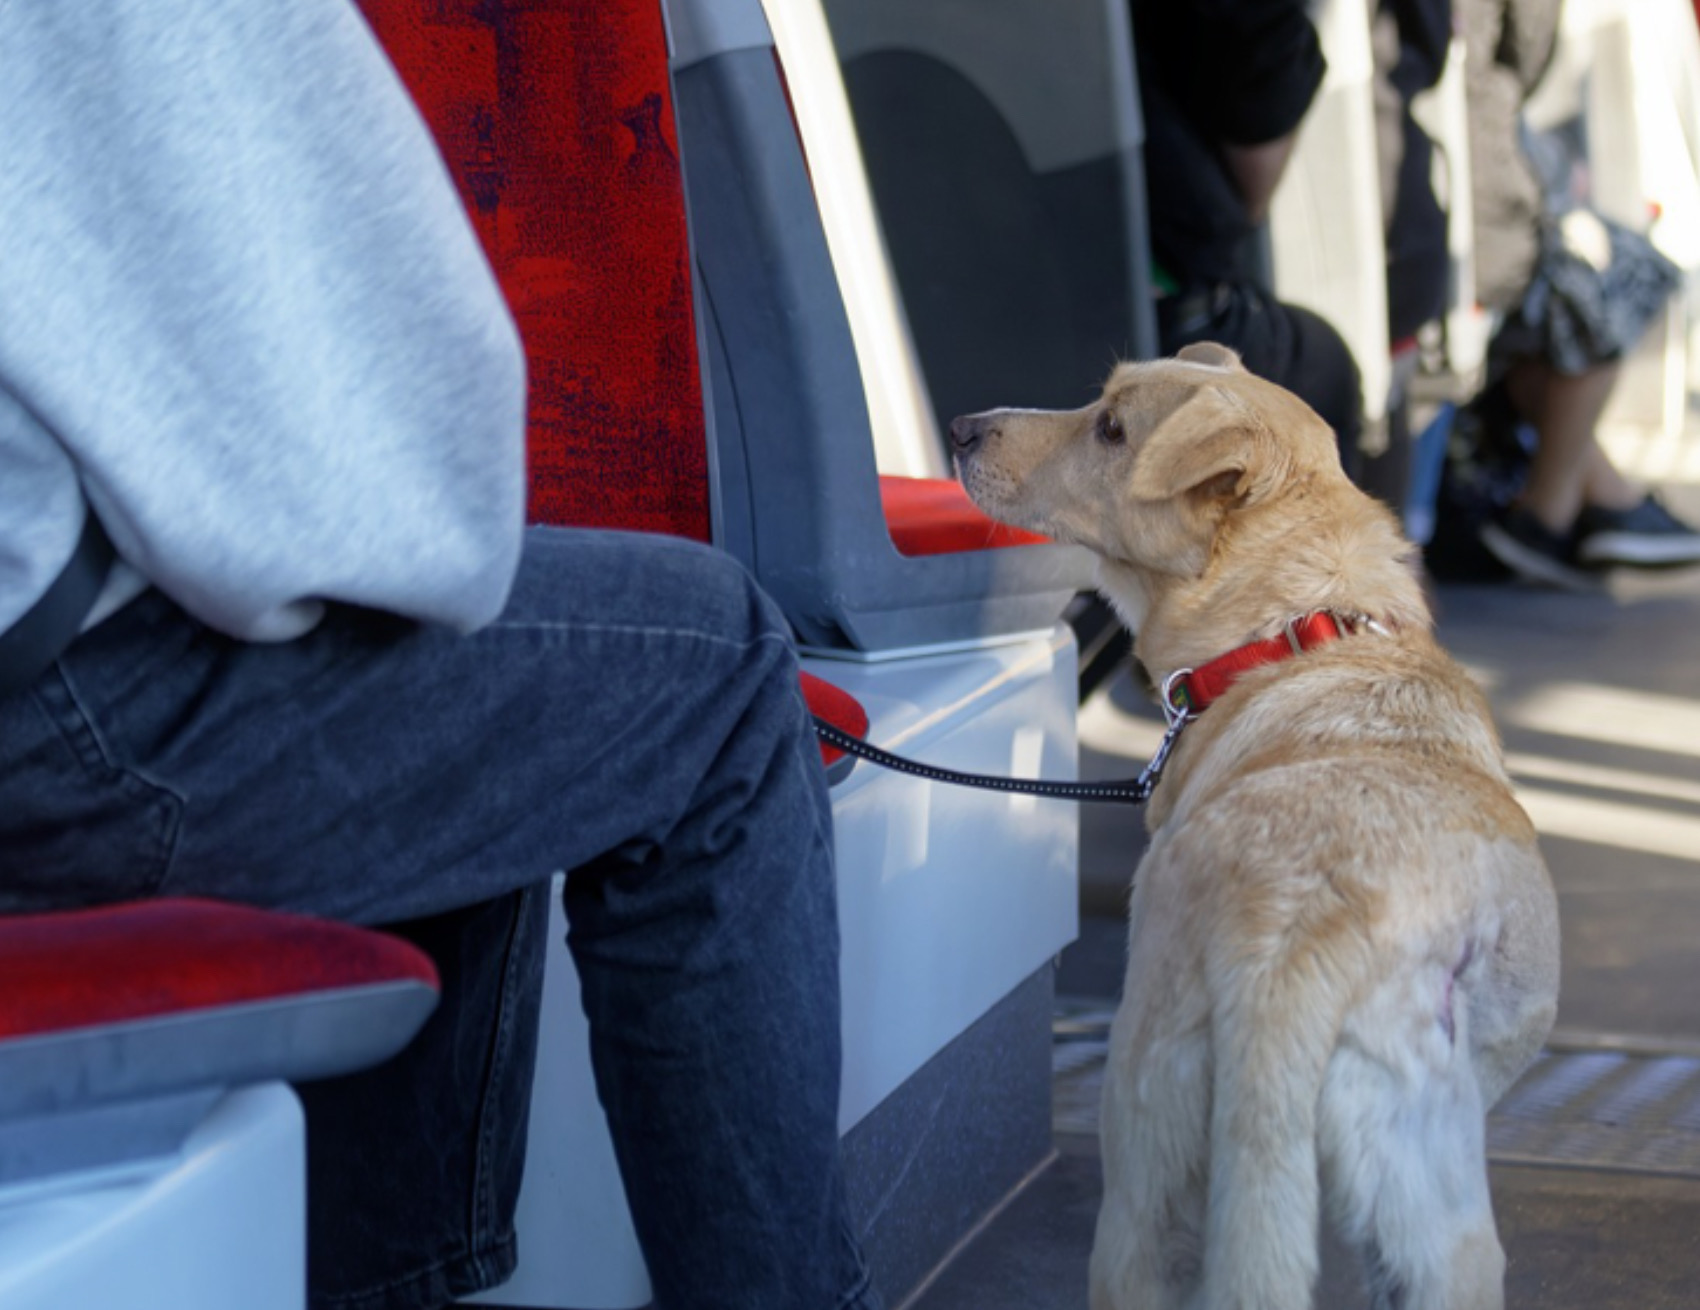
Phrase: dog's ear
(1209, 352)
(1214, 447)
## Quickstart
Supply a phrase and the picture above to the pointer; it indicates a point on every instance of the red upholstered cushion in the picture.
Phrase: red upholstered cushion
(839, 708)
(556, 120)
(933, 516)
(83, 968)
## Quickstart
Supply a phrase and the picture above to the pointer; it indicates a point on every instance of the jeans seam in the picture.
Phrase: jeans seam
(640, 630)
(134, 781)
(476, 1255)
(483, 1179)
(858, 1293)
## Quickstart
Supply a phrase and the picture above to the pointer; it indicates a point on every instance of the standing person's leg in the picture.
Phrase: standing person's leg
(633, 717)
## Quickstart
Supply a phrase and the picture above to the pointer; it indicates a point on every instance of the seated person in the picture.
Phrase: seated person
(244, 316)
(1575, 292)
(1224, 85)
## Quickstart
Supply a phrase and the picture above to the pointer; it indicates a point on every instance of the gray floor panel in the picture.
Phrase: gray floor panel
(1603, 1110)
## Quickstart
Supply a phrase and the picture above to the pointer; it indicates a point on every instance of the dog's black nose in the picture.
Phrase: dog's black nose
(967, 432)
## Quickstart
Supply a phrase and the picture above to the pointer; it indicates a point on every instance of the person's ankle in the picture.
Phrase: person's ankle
(1618, 502)
(1559, 524)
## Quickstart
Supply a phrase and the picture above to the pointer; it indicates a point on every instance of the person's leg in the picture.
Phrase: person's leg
(1603, 486)
(633, 717)
(1567, 469)
(1577, 514)
(421, 1157)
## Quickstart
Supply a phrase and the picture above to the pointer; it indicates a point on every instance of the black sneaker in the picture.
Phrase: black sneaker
(1535, 553)
(1648, 536)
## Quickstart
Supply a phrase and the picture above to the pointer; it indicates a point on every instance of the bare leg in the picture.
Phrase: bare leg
(1604, 486)
(1569, 469)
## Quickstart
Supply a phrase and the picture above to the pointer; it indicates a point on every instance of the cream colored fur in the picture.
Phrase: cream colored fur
(1343, 940)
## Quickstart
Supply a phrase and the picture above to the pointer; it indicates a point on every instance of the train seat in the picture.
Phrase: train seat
(1015, 217)
(653, 224)
(151, 1152)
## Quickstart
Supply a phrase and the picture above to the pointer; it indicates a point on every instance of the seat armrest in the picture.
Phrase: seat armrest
(152, 999)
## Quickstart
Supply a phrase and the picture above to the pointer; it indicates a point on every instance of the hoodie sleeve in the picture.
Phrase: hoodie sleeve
(239, 291)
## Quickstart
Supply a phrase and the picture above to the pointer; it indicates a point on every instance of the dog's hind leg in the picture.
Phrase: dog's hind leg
(1273, 1032)
(1511, 987)
(1404, 1167)
(1148, 1251)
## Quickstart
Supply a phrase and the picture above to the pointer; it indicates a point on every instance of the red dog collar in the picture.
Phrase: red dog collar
(1187, 692)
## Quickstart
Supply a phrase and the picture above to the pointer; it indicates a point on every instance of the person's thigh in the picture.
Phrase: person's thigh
(376, 769)
(634, 718)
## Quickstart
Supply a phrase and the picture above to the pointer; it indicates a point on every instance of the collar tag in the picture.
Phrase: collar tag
(1186, 693)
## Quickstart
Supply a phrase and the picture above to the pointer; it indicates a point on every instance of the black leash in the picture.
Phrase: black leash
(1134, 791)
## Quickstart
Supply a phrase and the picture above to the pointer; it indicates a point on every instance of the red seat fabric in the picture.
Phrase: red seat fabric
(933, 516)
(555, 118)
(87, 968)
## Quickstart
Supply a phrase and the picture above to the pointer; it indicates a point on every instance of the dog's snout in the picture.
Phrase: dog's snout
(967, 433)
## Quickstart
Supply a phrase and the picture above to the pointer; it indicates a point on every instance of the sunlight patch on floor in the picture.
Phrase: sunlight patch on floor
(1612, 823)
(1108, 729)
(1629, 782)
(1585, 712)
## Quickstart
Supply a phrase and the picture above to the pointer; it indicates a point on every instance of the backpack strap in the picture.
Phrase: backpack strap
(31, 644)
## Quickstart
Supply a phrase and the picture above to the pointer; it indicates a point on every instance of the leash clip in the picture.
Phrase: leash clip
(1176, 702)
(1149, 776)
(1177, 709)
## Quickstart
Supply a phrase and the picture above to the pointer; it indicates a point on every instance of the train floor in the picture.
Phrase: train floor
(1595, 1154)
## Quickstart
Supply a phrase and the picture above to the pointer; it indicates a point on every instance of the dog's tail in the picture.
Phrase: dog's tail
(1275, 1025)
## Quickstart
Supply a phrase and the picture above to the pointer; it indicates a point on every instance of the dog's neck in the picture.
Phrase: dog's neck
(1346, 555)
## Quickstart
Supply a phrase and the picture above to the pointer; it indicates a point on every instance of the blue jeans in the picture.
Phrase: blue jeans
(634, 718)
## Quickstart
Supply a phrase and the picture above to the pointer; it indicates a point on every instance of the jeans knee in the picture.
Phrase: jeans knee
(736, 594)
(714, 598)
(593, 577)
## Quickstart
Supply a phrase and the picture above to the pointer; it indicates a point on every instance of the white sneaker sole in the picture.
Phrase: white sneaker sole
(1637, 550)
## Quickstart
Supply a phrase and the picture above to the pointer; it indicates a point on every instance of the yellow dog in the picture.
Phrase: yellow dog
(1343, 943)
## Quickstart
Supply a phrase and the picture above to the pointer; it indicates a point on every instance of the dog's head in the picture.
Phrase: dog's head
(1178, 477)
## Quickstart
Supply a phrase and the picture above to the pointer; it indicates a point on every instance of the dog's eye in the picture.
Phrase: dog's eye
(1110, 429)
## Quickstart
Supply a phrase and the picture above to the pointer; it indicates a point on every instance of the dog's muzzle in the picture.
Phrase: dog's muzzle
(968, 433)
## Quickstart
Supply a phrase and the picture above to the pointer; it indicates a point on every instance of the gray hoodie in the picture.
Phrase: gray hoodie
(242, 308)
